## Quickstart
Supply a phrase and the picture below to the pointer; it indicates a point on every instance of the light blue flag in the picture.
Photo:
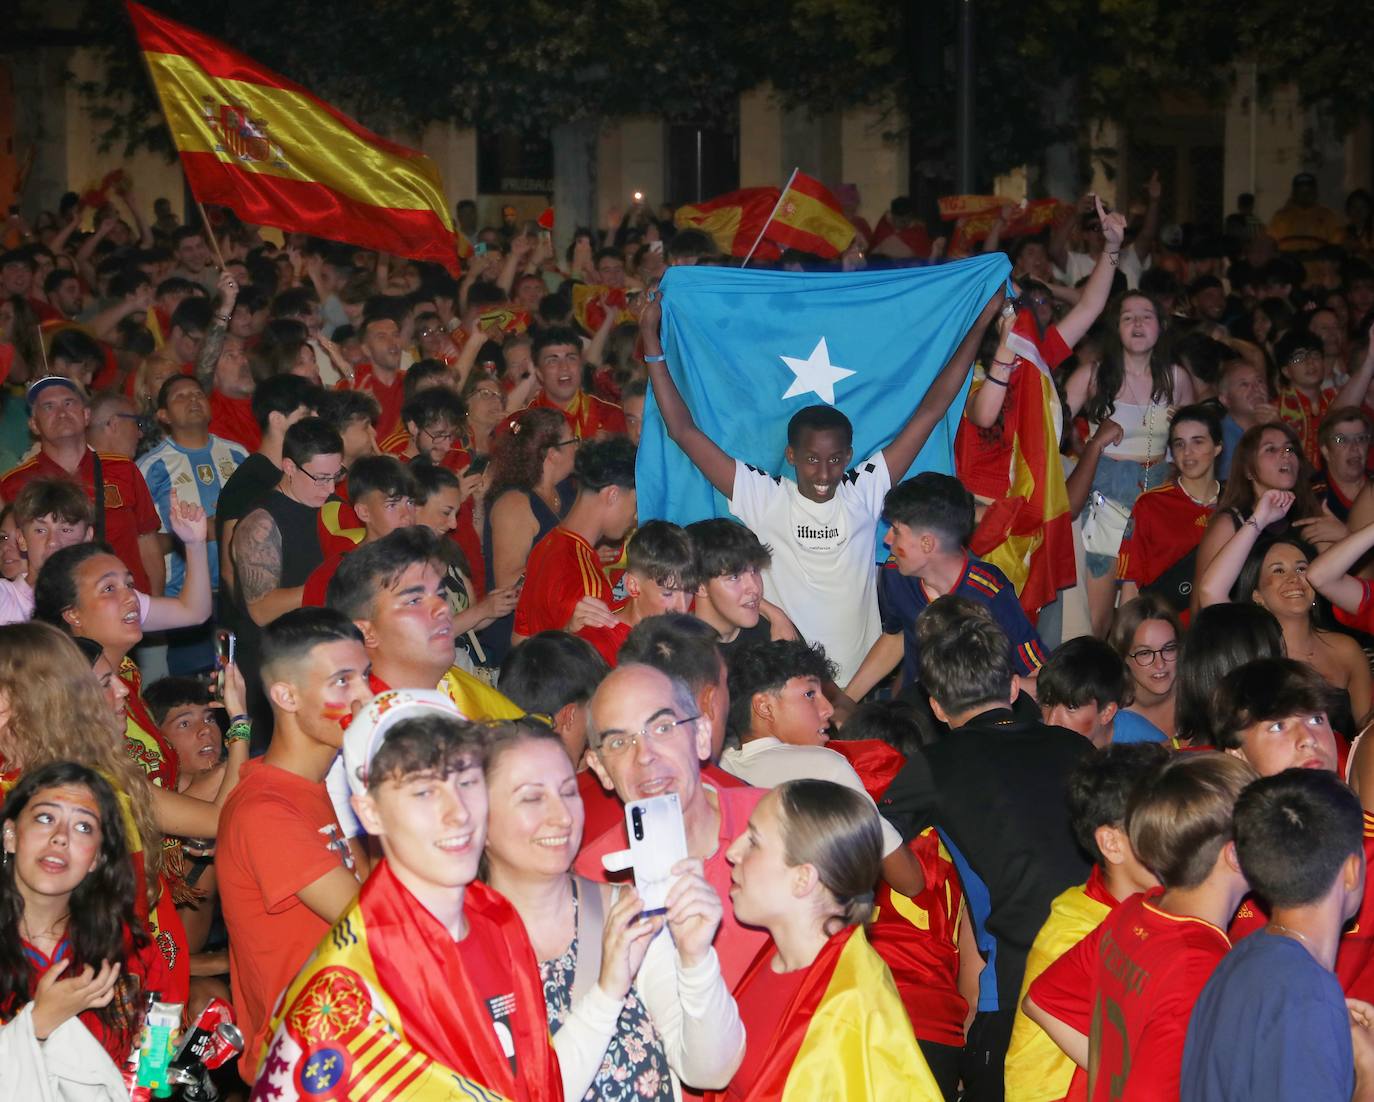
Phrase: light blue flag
(748, 348)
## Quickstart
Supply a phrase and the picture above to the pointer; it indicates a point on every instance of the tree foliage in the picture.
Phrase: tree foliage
(1041, 69)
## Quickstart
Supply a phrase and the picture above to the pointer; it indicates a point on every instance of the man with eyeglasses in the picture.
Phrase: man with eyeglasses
(432, 420)
(277, 545)
(646, 738)
(1304, 392)
(124, 513)
(114, 427)
(1344, 438)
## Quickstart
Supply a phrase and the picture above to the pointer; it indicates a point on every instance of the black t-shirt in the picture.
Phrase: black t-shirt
(255, 478)
(747, 637)
(998, 787)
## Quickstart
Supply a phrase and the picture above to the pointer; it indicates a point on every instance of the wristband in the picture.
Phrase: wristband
(655, 359)
(1003, 363)
(238, 732)
(242, 717)
(990, 378)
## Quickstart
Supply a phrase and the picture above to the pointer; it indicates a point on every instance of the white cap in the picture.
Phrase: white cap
(368, 730)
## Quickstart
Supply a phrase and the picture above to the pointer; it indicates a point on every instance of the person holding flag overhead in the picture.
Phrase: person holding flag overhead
(823, 526)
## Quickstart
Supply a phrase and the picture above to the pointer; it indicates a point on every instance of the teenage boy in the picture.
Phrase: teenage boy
(930, 520)
(731, 561)
(1272, 1021)
(1151, 957)
(780, 723)
(563, 568)
(1037, 1070)
(1272, 713)
(557, 353)
(660, 576)
(392, 589)
(427, 986)
(822, 527)
(1023, 856)
(383, 496)
(1082, 687)
(286, 871)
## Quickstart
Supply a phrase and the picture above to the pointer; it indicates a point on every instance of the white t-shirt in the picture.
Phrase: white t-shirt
(769, 762)
(824, 573)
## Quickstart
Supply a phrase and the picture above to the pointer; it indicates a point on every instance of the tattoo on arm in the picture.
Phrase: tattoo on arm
(209, 353)
(257, 556)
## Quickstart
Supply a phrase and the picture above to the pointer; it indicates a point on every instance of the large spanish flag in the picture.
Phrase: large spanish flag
(809, 218)
(267, 149)
(734, 220)
(845, 1033)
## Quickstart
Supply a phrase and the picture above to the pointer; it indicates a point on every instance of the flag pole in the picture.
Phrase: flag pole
(776, 206)
(209, 231)
(42, 351)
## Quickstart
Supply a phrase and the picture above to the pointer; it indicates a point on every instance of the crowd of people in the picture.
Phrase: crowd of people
(334, 649)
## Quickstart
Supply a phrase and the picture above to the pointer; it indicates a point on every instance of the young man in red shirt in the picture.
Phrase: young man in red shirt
(286, 871)
(1150, 958)
(558, 364)
(563, 568)
(660, 576)
(380, 374)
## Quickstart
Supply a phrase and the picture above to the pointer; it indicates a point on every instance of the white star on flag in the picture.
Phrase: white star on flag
(815, 373)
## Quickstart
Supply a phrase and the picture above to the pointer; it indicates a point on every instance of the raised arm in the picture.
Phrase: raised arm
(1092, 300)
(192, 605)
(219, 329)
(911, 439)
(1352, 394)
(1214, 586)
(1329, 573)
(718, 467)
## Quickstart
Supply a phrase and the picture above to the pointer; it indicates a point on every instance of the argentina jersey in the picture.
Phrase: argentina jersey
(193, 475)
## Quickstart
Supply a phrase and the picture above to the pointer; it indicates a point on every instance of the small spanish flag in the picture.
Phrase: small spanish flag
(734, 220)
(809, 218)
(267, 149)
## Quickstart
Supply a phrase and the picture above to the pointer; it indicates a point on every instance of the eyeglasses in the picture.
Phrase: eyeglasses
(439, 437)
(564, 443)
(325, 479)
(1145, 657)
(485, 393)
(1341, 439)
(617, 742)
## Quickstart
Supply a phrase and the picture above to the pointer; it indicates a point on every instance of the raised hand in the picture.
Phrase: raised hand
(694, 911)
(1113, 226)
(232, 693)
(624, 940)
(1273, 505)
(188, 522)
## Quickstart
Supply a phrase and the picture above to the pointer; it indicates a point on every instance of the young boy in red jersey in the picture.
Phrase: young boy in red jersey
(1151, 957)
(917, 936)
(1037, 1070)
(660, 576)
(563, 567)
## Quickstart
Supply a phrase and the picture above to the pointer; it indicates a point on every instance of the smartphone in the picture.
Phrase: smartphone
(226, 647)
(478, 464)
(658, 841)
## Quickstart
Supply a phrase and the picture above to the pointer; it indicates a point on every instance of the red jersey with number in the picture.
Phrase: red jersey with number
(561, 570)
(1166, 525)
(1147, 969)
(129, 508)
(587, 415)
(232, 419)
(390, 396)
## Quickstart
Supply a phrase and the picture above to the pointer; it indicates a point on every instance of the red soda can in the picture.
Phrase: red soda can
(200, 1040)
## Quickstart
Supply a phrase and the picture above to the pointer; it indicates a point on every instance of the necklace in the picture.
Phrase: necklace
(1289, 930)
(52, 931)
(1211, 497)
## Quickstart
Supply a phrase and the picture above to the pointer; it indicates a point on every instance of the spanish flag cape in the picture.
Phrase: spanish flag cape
(1028, 533)
(845, 1035)
(383, 1010)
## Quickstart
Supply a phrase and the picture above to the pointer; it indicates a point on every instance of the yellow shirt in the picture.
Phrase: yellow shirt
(1037, 1070)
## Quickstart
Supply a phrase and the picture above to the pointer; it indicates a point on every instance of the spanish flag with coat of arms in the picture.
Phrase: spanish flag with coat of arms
(276, 155)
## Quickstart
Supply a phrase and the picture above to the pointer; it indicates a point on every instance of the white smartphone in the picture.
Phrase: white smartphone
(657, 843)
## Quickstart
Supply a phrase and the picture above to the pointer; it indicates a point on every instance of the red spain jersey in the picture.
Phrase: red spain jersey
(587, 415)
(918, 938)
(561, 570)
(1305, 417)
(129, 508)
(232, 419)
(390, 396)
(1148, 968)
(607, 641)
(317, 584)
(1166, 524)
(396, 443)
